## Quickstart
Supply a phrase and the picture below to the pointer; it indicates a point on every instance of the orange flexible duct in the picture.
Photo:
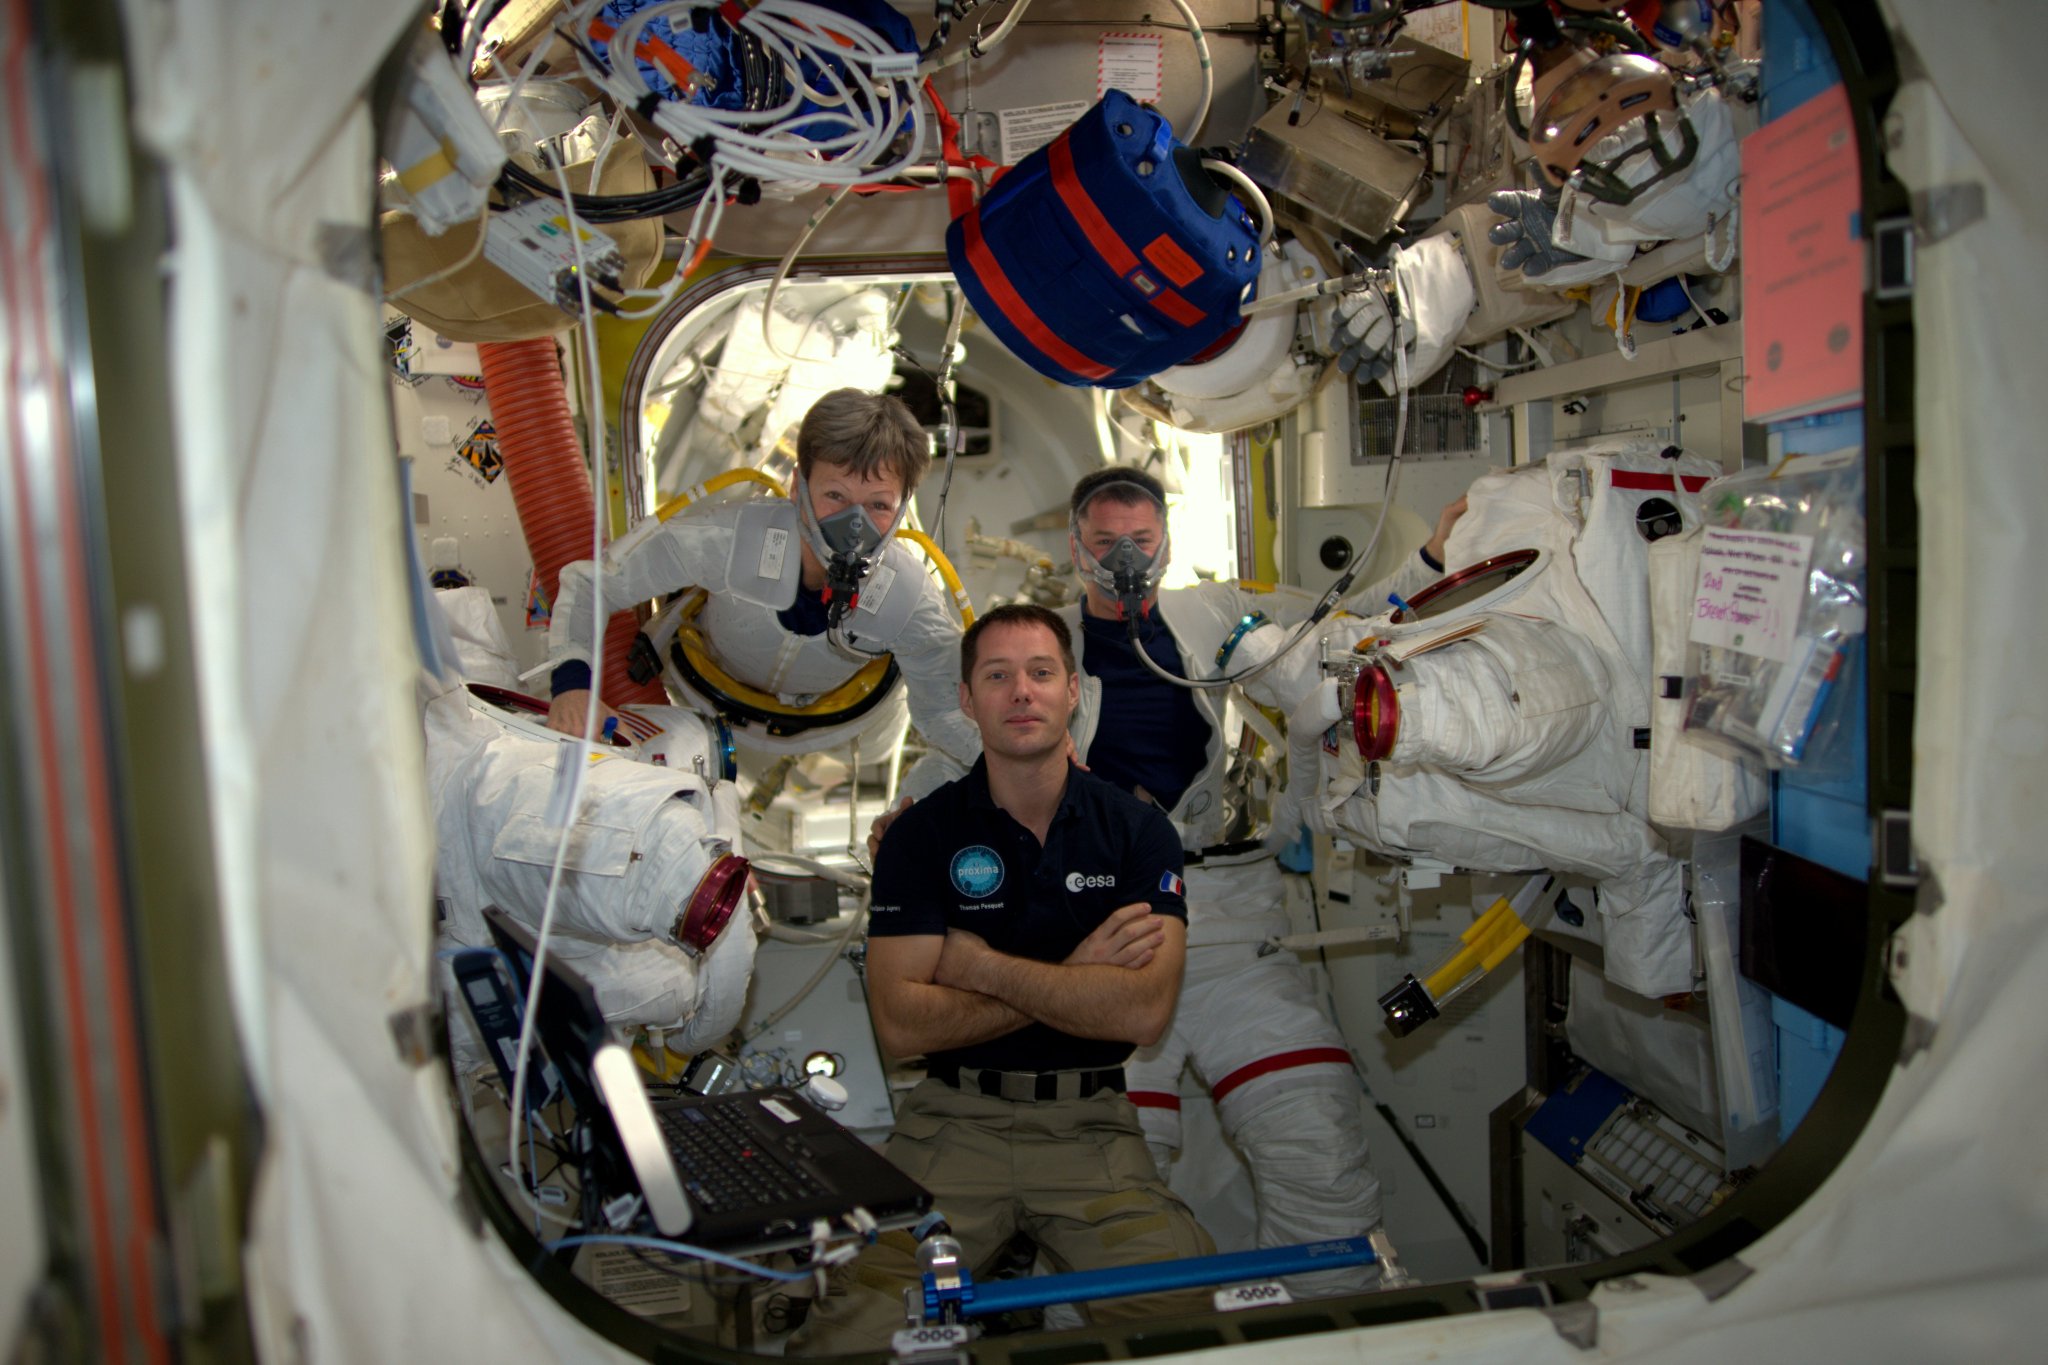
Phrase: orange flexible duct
(551, 487)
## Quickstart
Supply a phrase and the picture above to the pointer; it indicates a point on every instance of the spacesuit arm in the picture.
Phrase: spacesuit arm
(652, 559)
(915, 1015)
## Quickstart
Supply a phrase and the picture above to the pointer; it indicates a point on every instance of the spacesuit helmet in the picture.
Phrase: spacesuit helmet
(1126, 571)
(1601, 110)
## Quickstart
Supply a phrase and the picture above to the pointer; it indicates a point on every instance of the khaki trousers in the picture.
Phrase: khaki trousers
(1074, 1176)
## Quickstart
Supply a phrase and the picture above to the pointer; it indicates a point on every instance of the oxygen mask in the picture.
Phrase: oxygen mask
(848, 543)
(1126, 572)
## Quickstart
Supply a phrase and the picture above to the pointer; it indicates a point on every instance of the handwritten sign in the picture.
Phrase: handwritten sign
(1749, 591)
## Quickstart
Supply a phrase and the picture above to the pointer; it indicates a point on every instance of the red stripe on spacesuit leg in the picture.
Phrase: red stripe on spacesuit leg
(1153, 1099)
(1279, 1061)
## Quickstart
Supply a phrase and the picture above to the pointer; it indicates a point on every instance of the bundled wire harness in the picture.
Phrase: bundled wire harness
(828, 99)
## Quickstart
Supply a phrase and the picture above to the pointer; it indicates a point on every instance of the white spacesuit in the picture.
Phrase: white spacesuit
(649, 883)
(1249, 1026)
(902, 612)
(1510, 733)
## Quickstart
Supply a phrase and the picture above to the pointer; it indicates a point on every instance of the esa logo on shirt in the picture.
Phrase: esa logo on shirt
(977, 872)
(1084, 881)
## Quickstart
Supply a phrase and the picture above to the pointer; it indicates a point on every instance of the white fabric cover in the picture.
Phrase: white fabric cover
(482, 653)
(1253, 380)
(1688, 204)
(1693, 785)
(1263, 343)
(1510, 703)
(644, 837)
(359, 1248)
(693, 549)
(1664, 1055)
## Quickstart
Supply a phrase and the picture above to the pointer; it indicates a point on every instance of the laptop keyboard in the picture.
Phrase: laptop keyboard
(727, 1163)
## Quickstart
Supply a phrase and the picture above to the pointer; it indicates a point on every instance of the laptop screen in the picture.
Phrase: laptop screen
(625, 1153)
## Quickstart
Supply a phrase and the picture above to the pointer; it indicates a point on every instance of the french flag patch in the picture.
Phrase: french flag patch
(1172, 885)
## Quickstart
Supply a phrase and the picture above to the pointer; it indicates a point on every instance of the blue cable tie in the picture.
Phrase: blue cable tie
(1399, 604)
(611, 727)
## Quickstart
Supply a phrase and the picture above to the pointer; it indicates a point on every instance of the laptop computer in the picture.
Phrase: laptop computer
(742, 1173)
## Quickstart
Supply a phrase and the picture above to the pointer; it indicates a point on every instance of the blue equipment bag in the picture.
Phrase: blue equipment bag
(1097, 261)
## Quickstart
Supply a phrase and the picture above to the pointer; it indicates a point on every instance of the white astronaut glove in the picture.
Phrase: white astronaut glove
(1367, 333)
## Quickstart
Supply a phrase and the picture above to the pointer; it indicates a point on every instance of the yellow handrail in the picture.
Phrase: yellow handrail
(713, 485)
(945, 568)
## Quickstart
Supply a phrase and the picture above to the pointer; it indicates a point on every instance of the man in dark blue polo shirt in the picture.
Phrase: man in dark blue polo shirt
(1028, 930)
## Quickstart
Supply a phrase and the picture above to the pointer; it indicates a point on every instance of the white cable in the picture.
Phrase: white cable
(782, 270)
(1251, 189)
(1495, 365)
(483, 229)
(1541, 352)
(976, 47)
(1201, 117)
(1687, 290)
(832, 872)
(604, 148)
(868, 88)
(780, 1012)
(1404, 306)
(594, 423)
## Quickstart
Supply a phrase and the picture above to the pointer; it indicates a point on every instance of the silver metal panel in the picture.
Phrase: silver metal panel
(1328, 164)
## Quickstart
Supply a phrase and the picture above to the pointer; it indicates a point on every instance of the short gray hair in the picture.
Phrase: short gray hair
(869, 433)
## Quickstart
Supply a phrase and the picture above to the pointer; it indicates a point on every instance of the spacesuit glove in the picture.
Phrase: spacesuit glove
(1529, 217)
(1367, 332)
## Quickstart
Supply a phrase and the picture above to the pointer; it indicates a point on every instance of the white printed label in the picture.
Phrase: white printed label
(1020, 132)
(774, 548)
(1132, 63)
(1252, 1296)
(636, 1286)
(875, 590)
(780, 1110)
(1748, 593)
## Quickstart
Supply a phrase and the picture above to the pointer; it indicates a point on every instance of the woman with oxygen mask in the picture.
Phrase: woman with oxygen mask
(806, 610)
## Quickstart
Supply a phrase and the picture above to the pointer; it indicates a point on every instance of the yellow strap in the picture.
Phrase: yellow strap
(848, 693)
